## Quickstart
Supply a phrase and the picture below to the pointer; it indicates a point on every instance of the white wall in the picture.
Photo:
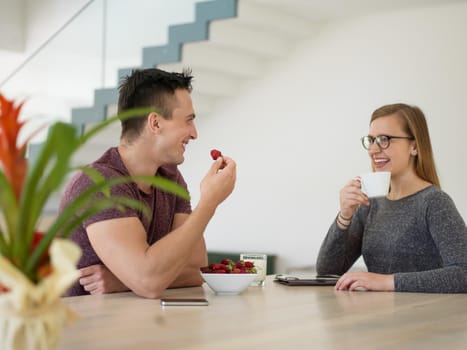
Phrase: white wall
(12, 25)
(295, 136)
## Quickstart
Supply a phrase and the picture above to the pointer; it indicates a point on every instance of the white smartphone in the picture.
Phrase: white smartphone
(184, 302)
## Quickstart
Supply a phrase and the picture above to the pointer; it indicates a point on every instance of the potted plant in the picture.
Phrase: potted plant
(37, 267)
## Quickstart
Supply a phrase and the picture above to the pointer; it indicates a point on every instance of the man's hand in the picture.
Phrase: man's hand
(97, 279)
(366, 280)
(219, 182)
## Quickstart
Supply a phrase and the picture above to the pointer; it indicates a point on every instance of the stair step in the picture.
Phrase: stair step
(216, 10)
(220, 58)
(102, 98)
(181, 33)
(209, 82)
(248, 38)
(272, 19)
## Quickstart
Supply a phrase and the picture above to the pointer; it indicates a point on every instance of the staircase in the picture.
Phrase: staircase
(230, 44)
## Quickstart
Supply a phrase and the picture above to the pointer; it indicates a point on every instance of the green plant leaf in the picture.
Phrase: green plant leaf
(3, 245)
(95, 176)
(9, 207)
(57, 167)
(44, 178)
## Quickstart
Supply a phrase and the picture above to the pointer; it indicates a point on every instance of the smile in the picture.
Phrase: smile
(380, 162)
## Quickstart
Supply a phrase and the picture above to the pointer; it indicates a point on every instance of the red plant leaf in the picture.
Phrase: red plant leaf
(12, 157)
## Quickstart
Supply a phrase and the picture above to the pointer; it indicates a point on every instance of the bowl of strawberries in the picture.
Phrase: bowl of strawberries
(229, 277)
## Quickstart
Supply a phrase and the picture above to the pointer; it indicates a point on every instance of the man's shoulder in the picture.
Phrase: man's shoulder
(107, 166)
(110, 164)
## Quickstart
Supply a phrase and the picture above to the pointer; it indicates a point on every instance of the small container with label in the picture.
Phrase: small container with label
(260, 261)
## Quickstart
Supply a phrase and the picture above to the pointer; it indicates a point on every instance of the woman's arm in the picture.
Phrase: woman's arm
(340, 248)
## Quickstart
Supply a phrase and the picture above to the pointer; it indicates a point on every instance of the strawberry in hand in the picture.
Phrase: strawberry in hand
(216, 154)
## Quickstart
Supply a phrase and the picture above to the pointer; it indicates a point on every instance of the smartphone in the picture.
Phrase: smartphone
(183, 301)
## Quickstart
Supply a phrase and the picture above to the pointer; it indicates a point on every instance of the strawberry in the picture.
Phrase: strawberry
(229, 266)
(218, 267)
(226, 261)
(215, 154)
(240, 264)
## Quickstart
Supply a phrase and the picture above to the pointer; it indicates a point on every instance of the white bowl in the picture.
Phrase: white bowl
(228, 283)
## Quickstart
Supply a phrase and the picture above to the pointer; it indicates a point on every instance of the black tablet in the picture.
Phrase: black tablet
(296, 280)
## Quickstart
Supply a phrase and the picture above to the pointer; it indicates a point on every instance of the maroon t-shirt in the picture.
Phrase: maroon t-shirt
(162, 205)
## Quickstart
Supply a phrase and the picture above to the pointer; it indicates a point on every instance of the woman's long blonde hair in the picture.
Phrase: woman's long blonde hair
(415, 126)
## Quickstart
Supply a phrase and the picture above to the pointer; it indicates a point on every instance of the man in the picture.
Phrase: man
(125, 250)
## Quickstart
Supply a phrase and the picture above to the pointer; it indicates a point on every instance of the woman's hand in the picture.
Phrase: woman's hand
(367, 280)
(351, 196)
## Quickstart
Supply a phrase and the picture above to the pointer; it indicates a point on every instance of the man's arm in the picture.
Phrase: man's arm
(149, 270)
(98, 279)
(190, 276)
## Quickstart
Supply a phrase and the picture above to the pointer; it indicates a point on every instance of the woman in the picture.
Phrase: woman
(413, 240)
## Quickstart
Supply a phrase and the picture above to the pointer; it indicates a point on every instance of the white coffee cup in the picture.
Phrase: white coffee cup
(376, 184)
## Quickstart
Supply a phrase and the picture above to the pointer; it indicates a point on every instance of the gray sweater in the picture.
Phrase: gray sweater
(421, 239)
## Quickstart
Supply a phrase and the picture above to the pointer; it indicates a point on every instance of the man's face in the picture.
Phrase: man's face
(176, 132)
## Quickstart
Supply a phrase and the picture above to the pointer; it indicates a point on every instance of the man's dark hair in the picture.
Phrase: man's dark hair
(149, 88)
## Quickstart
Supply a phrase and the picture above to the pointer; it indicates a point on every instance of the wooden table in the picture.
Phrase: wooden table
(271, 317)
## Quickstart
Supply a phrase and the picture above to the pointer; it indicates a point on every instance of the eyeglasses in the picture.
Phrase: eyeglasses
(383, 141)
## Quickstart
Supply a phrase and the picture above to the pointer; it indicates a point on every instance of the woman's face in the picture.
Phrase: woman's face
(397, 158)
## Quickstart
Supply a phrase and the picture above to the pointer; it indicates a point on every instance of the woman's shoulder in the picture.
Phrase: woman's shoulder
(433, 196)
(433, 192)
